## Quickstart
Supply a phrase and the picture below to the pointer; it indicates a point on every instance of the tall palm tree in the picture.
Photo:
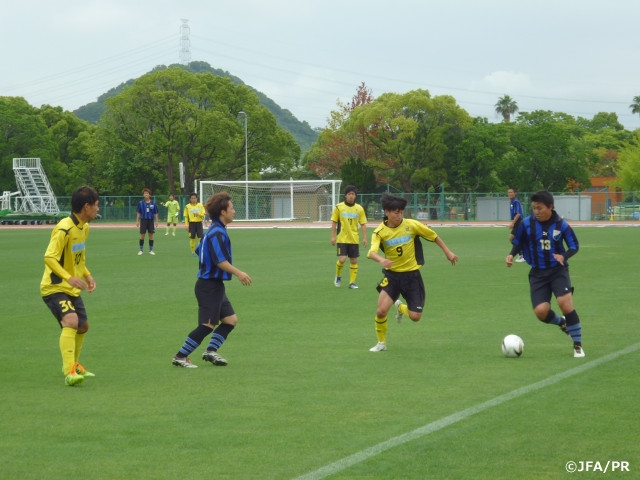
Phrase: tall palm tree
(635, 106)
(506, 107)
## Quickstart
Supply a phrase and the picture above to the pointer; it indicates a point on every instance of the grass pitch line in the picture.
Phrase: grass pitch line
(367, 453)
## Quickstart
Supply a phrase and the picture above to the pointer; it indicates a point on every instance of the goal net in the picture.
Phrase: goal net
(301, 200)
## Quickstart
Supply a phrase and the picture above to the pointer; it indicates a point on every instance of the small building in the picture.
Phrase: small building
(300, 201)
(604, 197)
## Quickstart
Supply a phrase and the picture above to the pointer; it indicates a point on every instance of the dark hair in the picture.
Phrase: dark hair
(542, 196)
(81, 197)
(350, 188)
(194, 194)
(391, 202)
(217, 203)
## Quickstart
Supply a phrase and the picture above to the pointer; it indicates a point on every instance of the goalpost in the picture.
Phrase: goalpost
(278, 200)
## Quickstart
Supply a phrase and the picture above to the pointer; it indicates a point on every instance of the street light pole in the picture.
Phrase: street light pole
(246, 165)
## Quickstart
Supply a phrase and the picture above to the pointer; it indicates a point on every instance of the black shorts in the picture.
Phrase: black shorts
(213, 303)
(351, 250)
(62, 304)
(544, 282)
(407, 284)
(195, 229)
(147, 225)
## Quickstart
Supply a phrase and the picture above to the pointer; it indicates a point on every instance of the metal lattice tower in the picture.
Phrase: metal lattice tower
(185, 43)
(37, 195)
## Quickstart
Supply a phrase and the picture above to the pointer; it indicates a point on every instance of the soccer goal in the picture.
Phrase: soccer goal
(277, 200)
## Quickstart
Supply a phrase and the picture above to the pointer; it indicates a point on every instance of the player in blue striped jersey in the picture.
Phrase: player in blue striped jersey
(215, 312)
(546, 241)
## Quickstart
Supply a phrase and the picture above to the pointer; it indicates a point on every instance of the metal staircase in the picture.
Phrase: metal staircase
(37, 195)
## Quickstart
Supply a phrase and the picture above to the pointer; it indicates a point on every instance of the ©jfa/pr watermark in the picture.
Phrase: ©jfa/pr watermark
(597, 466)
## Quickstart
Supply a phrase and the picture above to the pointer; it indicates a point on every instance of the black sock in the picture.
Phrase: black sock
(220, 334)
(194, 339)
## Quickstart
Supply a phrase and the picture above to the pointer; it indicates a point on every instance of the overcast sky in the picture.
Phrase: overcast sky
(580, 57)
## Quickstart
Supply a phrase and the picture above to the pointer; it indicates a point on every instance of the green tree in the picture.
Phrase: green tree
(477, 156)
(73, 137)
(356, 172)
(24, 134)
(413, 133)
(628, 167)
(546, 154)
(635, 106)
(336, 144)
(506, 107)
(171, 116)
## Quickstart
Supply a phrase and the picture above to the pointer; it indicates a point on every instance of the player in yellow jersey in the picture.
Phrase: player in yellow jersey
(173, 214)
(194, 214)
(66, 275)
(397, 237)
(347, 216)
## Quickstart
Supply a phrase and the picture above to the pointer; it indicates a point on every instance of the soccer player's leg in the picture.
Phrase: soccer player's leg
(192, 238)
(67, 310)
(221, 333)
(208, 312)
(341, 251)
(385, 301)
(69, 324)
(540, 291)
(413, 291)
(564, 295)
(353, 253)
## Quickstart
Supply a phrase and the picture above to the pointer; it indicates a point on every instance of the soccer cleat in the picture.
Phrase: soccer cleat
(563, 326)
(520, 259)
(578, 351)
(151, 252)
(379, 347)
(140, 252)
(183, 362)
(398, 312)
(214, 357)
(337, 282)
(174, 234)
(352, 285)
(73, 378)
(80, 370)
(166, 234)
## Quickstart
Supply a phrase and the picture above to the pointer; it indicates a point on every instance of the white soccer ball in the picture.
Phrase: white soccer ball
(512, 346)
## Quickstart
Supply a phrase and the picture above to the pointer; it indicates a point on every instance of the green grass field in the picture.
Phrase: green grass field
(301, 391)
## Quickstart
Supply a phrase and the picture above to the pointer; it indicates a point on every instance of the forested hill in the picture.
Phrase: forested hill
(301, 131)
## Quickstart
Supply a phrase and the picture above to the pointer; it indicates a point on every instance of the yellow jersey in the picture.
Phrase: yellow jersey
(399, 244)
(194, 213)
(65, 257)
(348, 218)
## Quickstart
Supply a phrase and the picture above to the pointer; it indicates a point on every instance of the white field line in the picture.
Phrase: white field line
(367, 453)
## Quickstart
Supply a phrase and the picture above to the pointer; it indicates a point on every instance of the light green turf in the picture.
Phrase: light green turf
(301, 390)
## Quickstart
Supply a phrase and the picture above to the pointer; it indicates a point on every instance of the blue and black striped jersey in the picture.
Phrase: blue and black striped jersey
(538, 241)
(214, 248)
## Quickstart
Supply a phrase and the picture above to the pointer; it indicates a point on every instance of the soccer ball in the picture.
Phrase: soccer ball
(512, 346)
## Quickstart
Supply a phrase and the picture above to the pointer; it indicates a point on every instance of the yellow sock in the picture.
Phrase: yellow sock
(192, 244)
(381, 329)
(79, 342)
(403, 309)
(353, 273)
(339, 268)
(68, 348)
